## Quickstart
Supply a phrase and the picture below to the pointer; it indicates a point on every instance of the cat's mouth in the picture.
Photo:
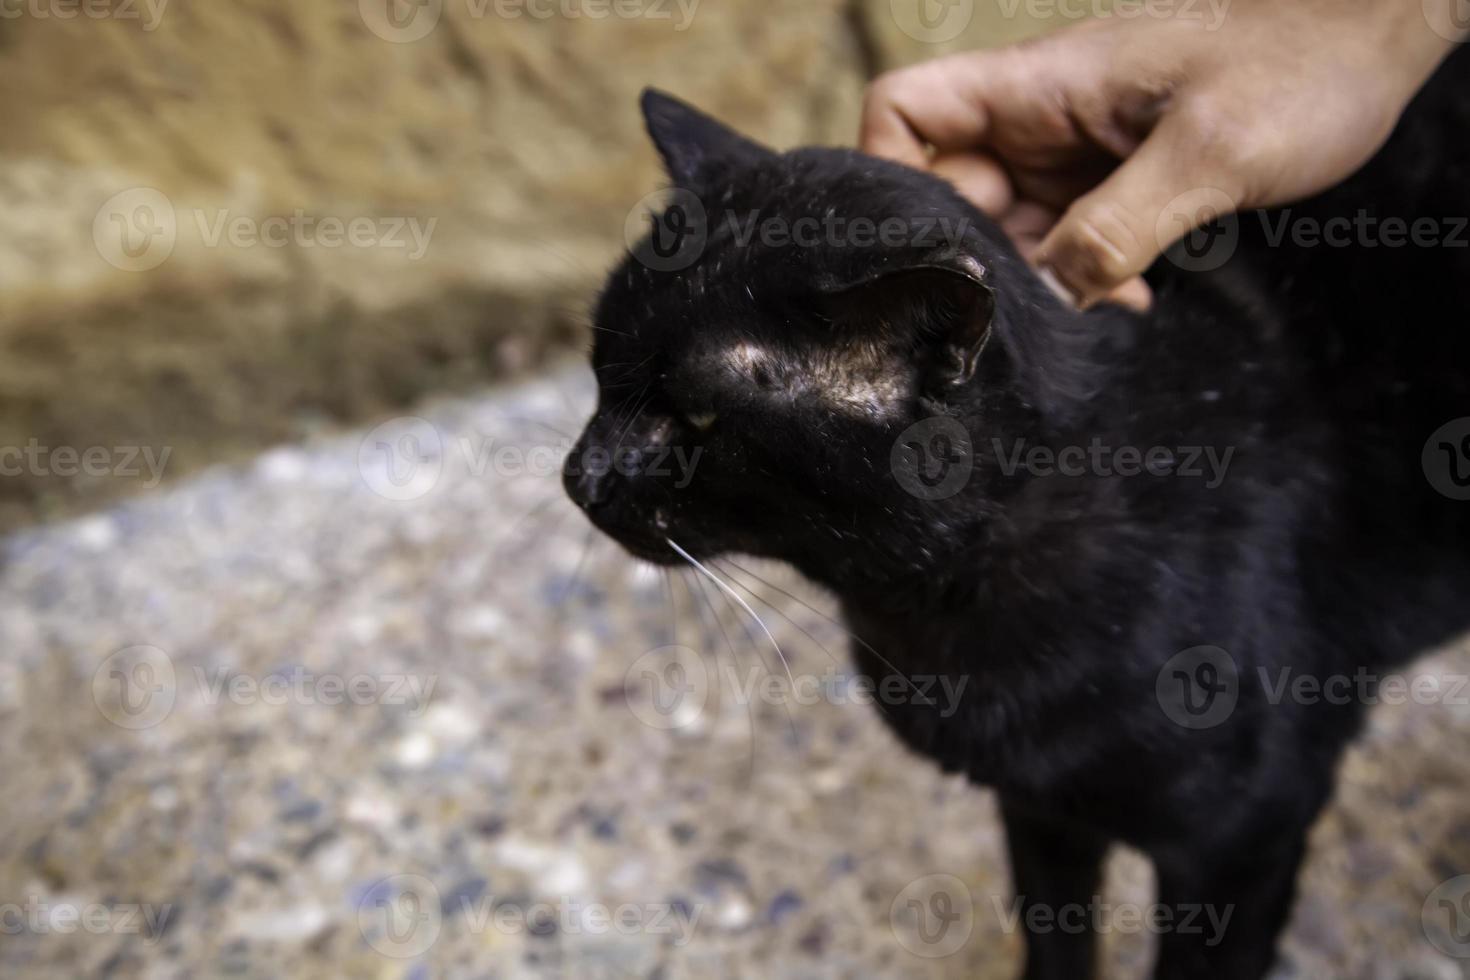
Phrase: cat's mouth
(648, 541)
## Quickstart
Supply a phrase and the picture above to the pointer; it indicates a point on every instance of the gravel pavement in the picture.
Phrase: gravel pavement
(381, 706)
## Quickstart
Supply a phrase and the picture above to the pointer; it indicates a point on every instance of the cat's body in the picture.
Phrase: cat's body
(1077, 605)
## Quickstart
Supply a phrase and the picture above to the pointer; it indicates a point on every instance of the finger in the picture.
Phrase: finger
(977, 177)
(1114, 232)
(1027, 219)
(907, 111)
(1134, 294)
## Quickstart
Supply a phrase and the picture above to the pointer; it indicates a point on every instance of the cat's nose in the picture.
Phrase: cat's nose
(589, 486)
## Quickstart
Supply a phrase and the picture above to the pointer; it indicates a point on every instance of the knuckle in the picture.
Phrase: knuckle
(1103, 244)
(884, 90)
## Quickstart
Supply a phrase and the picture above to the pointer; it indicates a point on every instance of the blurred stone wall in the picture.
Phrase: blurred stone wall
(224, 224)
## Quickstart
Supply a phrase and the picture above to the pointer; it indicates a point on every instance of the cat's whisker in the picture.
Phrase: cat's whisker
(777, 610)
(734, 660)
(755, 646)
(633, 369)
(577, 569)
(626, 425)
(741, 602)
(537, 509)
(526, 420)
(817, 612)
(672, 607)
(780, 612)
(625, 411)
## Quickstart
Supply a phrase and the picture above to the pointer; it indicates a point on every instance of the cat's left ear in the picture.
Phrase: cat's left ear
(948, 298)
(694, 146)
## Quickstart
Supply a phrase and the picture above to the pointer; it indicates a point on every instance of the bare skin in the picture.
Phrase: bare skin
(1100, 145)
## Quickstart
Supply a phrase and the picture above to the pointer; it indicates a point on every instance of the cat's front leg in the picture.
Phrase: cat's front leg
(1056, 873)
(1228, 907)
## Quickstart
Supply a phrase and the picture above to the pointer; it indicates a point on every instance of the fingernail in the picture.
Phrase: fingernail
(1057, 287)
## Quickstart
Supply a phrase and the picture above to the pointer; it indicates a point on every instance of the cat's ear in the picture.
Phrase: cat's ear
(694, 146)
(945, 296)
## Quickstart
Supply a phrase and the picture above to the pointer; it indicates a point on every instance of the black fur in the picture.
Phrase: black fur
(1324, 550)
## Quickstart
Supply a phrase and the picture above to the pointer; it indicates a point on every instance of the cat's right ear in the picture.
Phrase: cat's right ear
(946, 297)
(695, 147)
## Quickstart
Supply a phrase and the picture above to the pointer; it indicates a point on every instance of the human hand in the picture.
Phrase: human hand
(1081, 142)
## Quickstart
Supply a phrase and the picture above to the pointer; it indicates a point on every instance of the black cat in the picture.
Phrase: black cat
(1125, 529)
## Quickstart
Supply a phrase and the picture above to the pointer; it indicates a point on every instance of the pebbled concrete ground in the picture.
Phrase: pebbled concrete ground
(317, 716)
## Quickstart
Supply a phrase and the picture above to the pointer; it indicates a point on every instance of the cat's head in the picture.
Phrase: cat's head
(763, 354)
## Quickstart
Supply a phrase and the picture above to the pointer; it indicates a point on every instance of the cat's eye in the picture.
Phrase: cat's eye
(702, 420)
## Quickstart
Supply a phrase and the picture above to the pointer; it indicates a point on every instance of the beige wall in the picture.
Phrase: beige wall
(510, 142)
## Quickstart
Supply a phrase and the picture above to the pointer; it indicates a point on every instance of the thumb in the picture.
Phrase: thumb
(1165, 190)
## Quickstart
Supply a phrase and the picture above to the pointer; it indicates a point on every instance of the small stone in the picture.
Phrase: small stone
(556, 871)
(377, 812)
(415, 750)
(164, 797)
(283, 466)
(720, 872)
(479, 622)
(783, 906)
(292, 924)
(491, 826)
(734, 914)
(813, 942)
(303, 812)
(95, 534)
(451, 724)
(463, 896)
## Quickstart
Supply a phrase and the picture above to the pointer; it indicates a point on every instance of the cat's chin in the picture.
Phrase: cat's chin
(647, 548)
(666, 552)
(652, 553)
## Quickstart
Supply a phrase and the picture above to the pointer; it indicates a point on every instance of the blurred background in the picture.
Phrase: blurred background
(306, 668)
